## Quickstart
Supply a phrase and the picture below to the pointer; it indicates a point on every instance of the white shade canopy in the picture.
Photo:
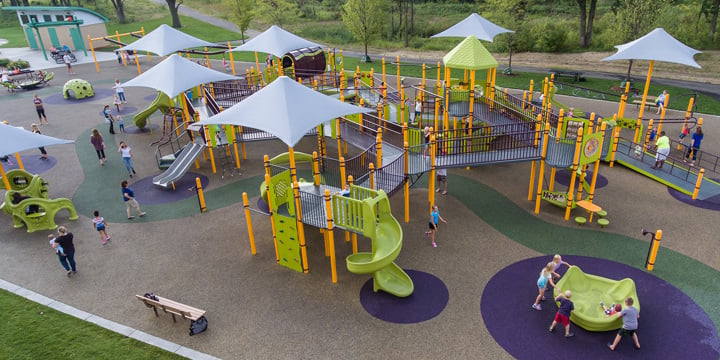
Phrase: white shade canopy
(15, 139)
(276, 41)
(175, 75)
(476, 26)
(285, 109)
(165, 40)
(656, 45)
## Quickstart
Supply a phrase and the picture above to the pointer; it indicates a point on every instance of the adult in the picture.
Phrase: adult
(269, 60)
(97, 142)
(663, 149)
(40, 110)
(694, 147)
(120, 92)
(67, 260)
(109, 118)
(43, 153)
(127, 158)
(68, 62)
(5, 77)
(129, 199)
(418, 110)
(660, 102)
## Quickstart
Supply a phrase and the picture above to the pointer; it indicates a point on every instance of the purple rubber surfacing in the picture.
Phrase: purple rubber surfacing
(671, 324)
(427, 301)
(148, 194)
(711, 203)
(32, 162)
(58, 99)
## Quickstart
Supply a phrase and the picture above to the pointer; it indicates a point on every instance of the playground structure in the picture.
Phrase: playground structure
(38, 211)
(79, 88)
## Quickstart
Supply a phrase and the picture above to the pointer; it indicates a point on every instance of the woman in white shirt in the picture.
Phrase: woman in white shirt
(127, 157)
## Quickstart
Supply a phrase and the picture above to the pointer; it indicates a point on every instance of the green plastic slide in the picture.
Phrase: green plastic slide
(386, 235)
(161, 102)
(587, 292)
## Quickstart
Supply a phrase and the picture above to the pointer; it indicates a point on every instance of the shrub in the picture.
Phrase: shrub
(4, 62)
(19, 64)
(552, 37)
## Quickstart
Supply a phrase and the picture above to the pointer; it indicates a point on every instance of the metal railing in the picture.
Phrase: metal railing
(175, 143)
(230, 92)
(674, 165)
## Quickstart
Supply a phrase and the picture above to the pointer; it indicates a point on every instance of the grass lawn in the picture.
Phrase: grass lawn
(190, 26)
(33, 331)
(14, 35)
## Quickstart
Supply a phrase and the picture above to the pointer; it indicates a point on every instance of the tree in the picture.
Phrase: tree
(587, 19)
(174, 6)
(119, 6)
(279, 12)
(364, 20)
(510, 14)
(636, 18)
(243, 14)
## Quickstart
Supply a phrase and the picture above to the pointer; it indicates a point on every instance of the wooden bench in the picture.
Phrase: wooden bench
(650, 102)
(575, 75)
(172, 307)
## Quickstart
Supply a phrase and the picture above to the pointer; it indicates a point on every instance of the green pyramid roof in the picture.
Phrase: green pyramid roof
(470, 54)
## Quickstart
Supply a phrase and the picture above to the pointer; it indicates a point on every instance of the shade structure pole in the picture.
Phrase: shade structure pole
(4, 178)
(644, 97)
(293, 171)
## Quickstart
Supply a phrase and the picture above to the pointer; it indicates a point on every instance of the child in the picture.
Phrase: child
(56, 247)
(638, 151)
(564, 311)
(545, 277)
(609, 311)
(117, 103)
(685, 131)
(442, 179)
(434, 218)
(426, 139)
(101, 226)
(121, 124)
(630, 316)
(558, 261)
(570, 113)
(418, 110)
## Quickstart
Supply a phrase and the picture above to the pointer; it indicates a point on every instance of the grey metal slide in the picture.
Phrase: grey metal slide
(181, 165)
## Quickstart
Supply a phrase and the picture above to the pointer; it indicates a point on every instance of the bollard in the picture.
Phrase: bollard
(246, 204)
(201, 197)
(652, 252)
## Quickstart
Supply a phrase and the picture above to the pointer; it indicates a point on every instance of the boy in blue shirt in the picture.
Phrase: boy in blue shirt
(564, 311)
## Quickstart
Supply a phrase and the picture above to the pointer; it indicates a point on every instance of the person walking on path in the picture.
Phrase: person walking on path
(129, 199)
(564, 311)
(97, 142)
(40, 110)
(101, 226)
(697, 137)
(442, 179)
(120, 91)
(433, 224)
(127, 157)
(65, 239)
(660, 102)
(630, 316)
(663, 149)
(43, 153)
(109, 118)
(68, 62)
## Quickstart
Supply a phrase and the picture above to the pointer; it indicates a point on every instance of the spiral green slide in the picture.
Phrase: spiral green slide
(161, 102)
(385, 232)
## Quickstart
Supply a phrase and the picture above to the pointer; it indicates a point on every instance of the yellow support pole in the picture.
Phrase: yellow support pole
(251, 234)
(378, 142)
(137, 63)
(232, 63)
(237, 156)
(644, 98)
(616, 138)
(331, 241)
(698, 183)
(4, 178)
(647, 134)
(210, 150)
(293, 169)
(407, 181)
(142, 30)
(300, 226)
(542, 167)
(347, 233)
(92, 50)
(371, 179)
(272, 215)
(533, 170)
(654, 250)
(687, 117)
(316, 169)
(422, 87)
(593, 182)
(437, 82)
(338, 137)
(573, 175)
(383, 70)
(431, 180)
(398, 74)
(201, 196)
(530, 92)
(19, 161)
(662, 113)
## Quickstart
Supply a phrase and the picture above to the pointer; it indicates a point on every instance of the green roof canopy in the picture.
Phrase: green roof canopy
(470, 54)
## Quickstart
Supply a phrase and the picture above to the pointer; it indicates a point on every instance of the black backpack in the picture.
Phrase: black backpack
(198, 326)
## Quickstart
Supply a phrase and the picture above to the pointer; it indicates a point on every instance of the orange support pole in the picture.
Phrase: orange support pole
(251, 234)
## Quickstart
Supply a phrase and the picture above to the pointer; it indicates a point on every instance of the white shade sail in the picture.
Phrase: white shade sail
(165, 40)
(276, 41)
(657, 45)
(476, 26)
(15, 139)
(285, 109)
(175, 75)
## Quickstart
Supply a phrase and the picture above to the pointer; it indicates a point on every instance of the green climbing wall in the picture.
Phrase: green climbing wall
(286, 233)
